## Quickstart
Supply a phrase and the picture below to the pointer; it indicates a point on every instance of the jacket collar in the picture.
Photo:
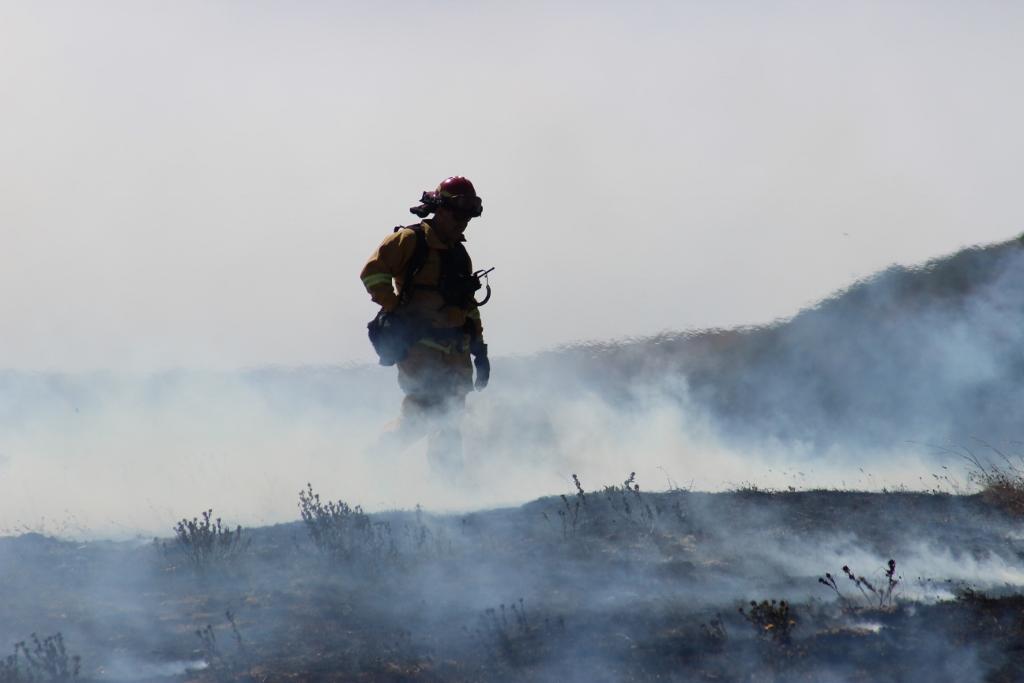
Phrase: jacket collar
(433, 240)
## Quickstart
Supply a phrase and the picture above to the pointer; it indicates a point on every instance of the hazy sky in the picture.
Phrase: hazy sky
(198, 183)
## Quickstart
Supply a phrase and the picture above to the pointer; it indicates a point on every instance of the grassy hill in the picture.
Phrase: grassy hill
(934, 352)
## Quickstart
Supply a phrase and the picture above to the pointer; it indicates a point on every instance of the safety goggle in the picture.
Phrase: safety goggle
(465, 206)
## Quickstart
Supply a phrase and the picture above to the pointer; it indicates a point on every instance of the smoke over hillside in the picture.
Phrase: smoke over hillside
(933, 354)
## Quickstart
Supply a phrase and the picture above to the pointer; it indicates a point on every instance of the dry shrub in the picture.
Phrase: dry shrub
(1003, 489)
(1002, 482)
(207, 542)
(40, 660)
(772, 620)
(999, 477)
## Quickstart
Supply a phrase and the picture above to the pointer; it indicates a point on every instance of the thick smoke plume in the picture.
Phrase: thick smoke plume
(836, 396)
(609, 581)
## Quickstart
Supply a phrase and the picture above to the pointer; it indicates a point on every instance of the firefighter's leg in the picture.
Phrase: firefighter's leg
(444, 443)
(417, 377)
(435, 383)
(444, 450)
(412, 424)
(418, 405)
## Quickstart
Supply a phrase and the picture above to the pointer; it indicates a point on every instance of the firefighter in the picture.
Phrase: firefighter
(423, 280)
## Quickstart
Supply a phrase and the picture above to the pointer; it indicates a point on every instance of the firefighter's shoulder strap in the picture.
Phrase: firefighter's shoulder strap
(419, 257)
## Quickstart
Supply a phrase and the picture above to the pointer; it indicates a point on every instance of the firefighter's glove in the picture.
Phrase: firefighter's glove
(482, 365)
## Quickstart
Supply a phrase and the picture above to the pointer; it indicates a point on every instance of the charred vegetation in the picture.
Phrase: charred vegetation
(614, 583)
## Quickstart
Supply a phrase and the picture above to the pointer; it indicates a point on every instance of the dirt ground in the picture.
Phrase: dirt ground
(607, 585)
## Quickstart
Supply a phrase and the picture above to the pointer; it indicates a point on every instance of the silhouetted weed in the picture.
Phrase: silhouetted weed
(751, 490)
(771, 619)
(599, 515)
(570, 512)
(209, 651)
(234, 631)
(630, 505)
(1001, 484)
(946, 484)
(345, 532)
(715, 635)
(579, 489)
(39, 660)
(509, 635)
(206, 542)
(1003, 487)
(830, 581)
(219, 664)
(880, 597)
(428, 539)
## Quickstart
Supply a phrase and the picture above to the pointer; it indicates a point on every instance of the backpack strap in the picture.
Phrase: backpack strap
(419, 257)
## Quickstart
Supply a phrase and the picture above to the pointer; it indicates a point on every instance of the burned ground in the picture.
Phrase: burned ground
(612, 584)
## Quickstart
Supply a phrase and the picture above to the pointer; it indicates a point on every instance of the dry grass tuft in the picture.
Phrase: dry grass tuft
(998, 477)
(207, 542)
(40, 660)
(1001, 483)
(772, 620)
(1005, 490)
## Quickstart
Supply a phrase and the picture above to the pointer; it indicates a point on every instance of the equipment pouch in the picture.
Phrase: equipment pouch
(391, 336)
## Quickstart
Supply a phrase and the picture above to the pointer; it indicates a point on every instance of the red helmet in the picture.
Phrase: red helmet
(456, 186)
(455, 193)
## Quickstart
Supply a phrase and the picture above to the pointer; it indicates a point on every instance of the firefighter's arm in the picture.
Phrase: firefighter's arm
(479, 349)
(476, 326)
(473, 323)
(386, 263)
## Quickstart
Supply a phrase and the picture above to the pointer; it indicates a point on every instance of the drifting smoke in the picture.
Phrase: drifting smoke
(825, 399)
(933, 353)
(829, 398)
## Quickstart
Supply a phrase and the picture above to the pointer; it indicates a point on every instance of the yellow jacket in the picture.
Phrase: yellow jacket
(384, 274)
